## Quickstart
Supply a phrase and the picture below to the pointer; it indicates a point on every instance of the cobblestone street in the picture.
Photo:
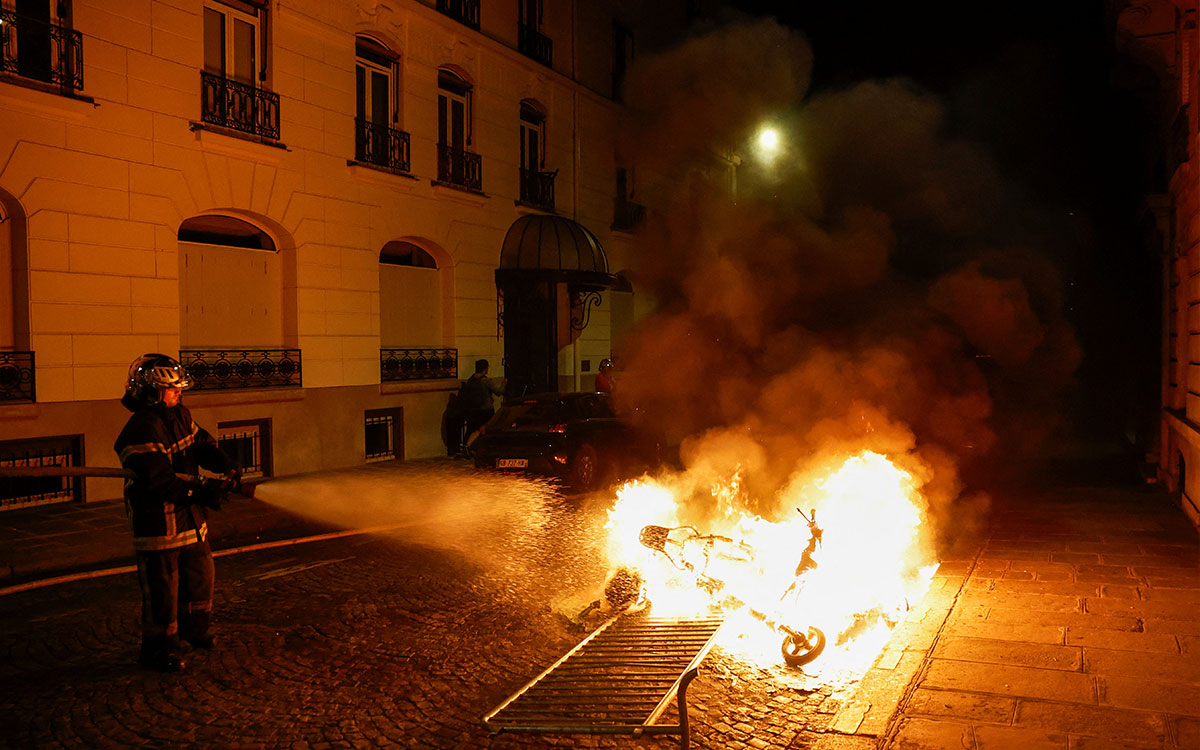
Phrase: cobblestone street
(402, 640)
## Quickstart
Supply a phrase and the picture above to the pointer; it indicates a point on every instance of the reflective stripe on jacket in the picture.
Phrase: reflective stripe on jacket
(155, 446)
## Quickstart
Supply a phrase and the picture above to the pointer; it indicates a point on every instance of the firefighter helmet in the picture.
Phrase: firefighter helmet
(151, 374)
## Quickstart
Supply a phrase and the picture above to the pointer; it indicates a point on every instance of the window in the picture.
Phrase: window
(373, 72)
(533, 130)
(233, 93)
(377, 140)
(410, 297)
(530, 39)
(622, 56)
(454, 111)
(383, 433)
(37, 42)
(230, 285)
(22, 492)
(627, 213)
(537, 186)
(248, 443)
(231, 34)
(455, 164)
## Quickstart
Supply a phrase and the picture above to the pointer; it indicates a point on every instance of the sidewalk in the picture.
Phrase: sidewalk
(1074, 626)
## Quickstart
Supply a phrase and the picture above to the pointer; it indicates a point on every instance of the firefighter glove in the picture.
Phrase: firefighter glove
(207, 492)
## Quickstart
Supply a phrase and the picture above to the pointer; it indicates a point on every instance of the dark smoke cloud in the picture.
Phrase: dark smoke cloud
(867, 291)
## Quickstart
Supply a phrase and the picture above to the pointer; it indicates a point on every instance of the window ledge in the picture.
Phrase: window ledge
(39, 98)
(433, 385)
(20, 410)
(456, 191)
(235, 142)
(377, 174)
(535, 207)
(239, 396)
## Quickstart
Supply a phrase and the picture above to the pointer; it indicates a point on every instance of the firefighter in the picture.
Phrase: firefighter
(168, 514)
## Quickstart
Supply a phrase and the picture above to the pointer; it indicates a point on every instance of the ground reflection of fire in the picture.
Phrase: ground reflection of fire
(844, 555)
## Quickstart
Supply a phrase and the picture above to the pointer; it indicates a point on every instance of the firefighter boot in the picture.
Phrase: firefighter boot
(194, 629)
(160, 654)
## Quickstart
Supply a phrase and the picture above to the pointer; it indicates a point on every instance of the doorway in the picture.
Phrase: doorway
(530, 340)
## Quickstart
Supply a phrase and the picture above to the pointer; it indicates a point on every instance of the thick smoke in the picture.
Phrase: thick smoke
(869, 289)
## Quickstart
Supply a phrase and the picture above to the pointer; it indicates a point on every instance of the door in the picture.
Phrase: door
(530, 346)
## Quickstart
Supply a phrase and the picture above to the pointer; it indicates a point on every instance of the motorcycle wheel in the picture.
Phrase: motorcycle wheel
(800, 649)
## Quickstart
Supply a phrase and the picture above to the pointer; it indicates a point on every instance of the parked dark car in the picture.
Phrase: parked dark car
(574, 436)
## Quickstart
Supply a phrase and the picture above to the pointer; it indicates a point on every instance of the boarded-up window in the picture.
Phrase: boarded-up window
(410, 297)
(230, 285)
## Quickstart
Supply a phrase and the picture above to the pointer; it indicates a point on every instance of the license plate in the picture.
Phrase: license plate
(512, 463)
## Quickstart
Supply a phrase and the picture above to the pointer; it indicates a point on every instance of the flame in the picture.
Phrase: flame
(852, 572)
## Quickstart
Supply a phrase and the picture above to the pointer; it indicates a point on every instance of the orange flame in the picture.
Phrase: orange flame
(870, 564)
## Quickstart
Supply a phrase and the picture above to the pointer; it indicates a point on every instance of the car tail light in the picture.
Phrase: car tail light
(560, 428)
(560, 457)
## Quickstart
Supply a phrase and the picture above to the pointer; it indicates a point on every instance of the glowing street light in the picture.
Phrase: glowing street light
(768, 144)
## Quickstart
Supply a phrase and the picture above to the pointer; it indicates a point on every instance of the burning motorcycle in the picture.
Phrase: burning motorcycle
(690, 551)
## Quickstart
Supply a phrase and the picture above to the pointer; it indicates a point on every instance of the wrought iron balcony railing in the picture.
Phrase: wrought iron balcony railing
(380, 145)
(17, 377)
(537, 188)
(41, 51)
(627, 215)
(417, 364)
(535, 44)
(216, 369)
(239, 106)
(465, 12)
(460, 167)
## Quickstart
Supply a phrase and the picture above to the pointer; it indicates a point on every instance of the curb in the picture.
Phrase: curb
(87, 575)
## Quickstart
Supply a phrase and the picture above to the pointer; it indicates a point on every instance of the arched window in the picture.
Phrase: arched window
(410, 297)
(230, 285)
(533, 136)
(456, 165)
(378, 138)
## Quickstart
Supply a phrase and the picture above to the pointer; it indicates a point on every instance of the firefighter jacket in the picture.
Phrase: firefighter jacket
(156, 445)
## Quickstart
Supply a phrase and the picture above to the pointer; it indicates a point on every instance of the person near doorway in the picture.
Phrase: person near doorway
(605, 379)
(476, 397)
(159, 445)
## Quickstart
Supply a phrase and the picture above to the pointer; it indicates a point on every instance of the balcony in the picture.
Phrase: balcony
(627, 215)
(532, 43)
(216, 369)
(41, 51)
(239, 106)
(537, 188)
(384, 147)
(401, 365)
(465, 12)
(17, 377)
(458, 167)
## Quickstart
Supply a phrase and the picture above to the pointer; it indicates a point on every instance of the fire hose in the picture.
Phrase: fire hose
(222, 485)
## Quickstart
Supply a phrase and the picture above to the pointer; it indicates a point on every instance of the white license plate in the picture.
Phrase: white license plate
(512, 463)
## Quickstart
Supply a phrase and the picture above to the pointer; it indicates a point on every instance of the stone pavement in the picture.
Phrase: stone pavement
(1074, 624)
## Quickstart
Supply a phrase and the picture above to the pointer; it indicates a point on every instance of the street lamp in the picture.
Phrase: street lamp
(768, 144)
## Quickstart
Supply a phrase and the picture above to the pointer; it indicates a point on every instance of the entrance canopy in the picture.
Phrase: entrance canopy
(553, 248)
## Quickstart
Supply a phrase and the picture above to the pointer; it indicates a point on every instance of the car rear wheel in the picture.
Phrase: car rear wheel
(585, 468)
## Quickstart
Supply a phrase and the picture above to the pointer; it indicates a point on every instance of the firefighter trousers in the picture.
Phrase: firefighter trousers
(177, 590)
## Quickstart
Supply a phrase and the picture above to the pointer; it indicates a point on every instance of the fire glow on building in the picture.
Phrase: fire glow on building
(819, 584)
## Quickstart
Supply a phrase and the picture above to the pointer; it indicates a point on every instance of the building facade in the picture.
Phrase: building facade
(1160, 38)
(327, 210)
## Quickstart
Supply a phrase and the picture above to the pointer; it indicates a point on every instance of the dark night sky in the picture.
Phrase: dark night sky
(1032, 85)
